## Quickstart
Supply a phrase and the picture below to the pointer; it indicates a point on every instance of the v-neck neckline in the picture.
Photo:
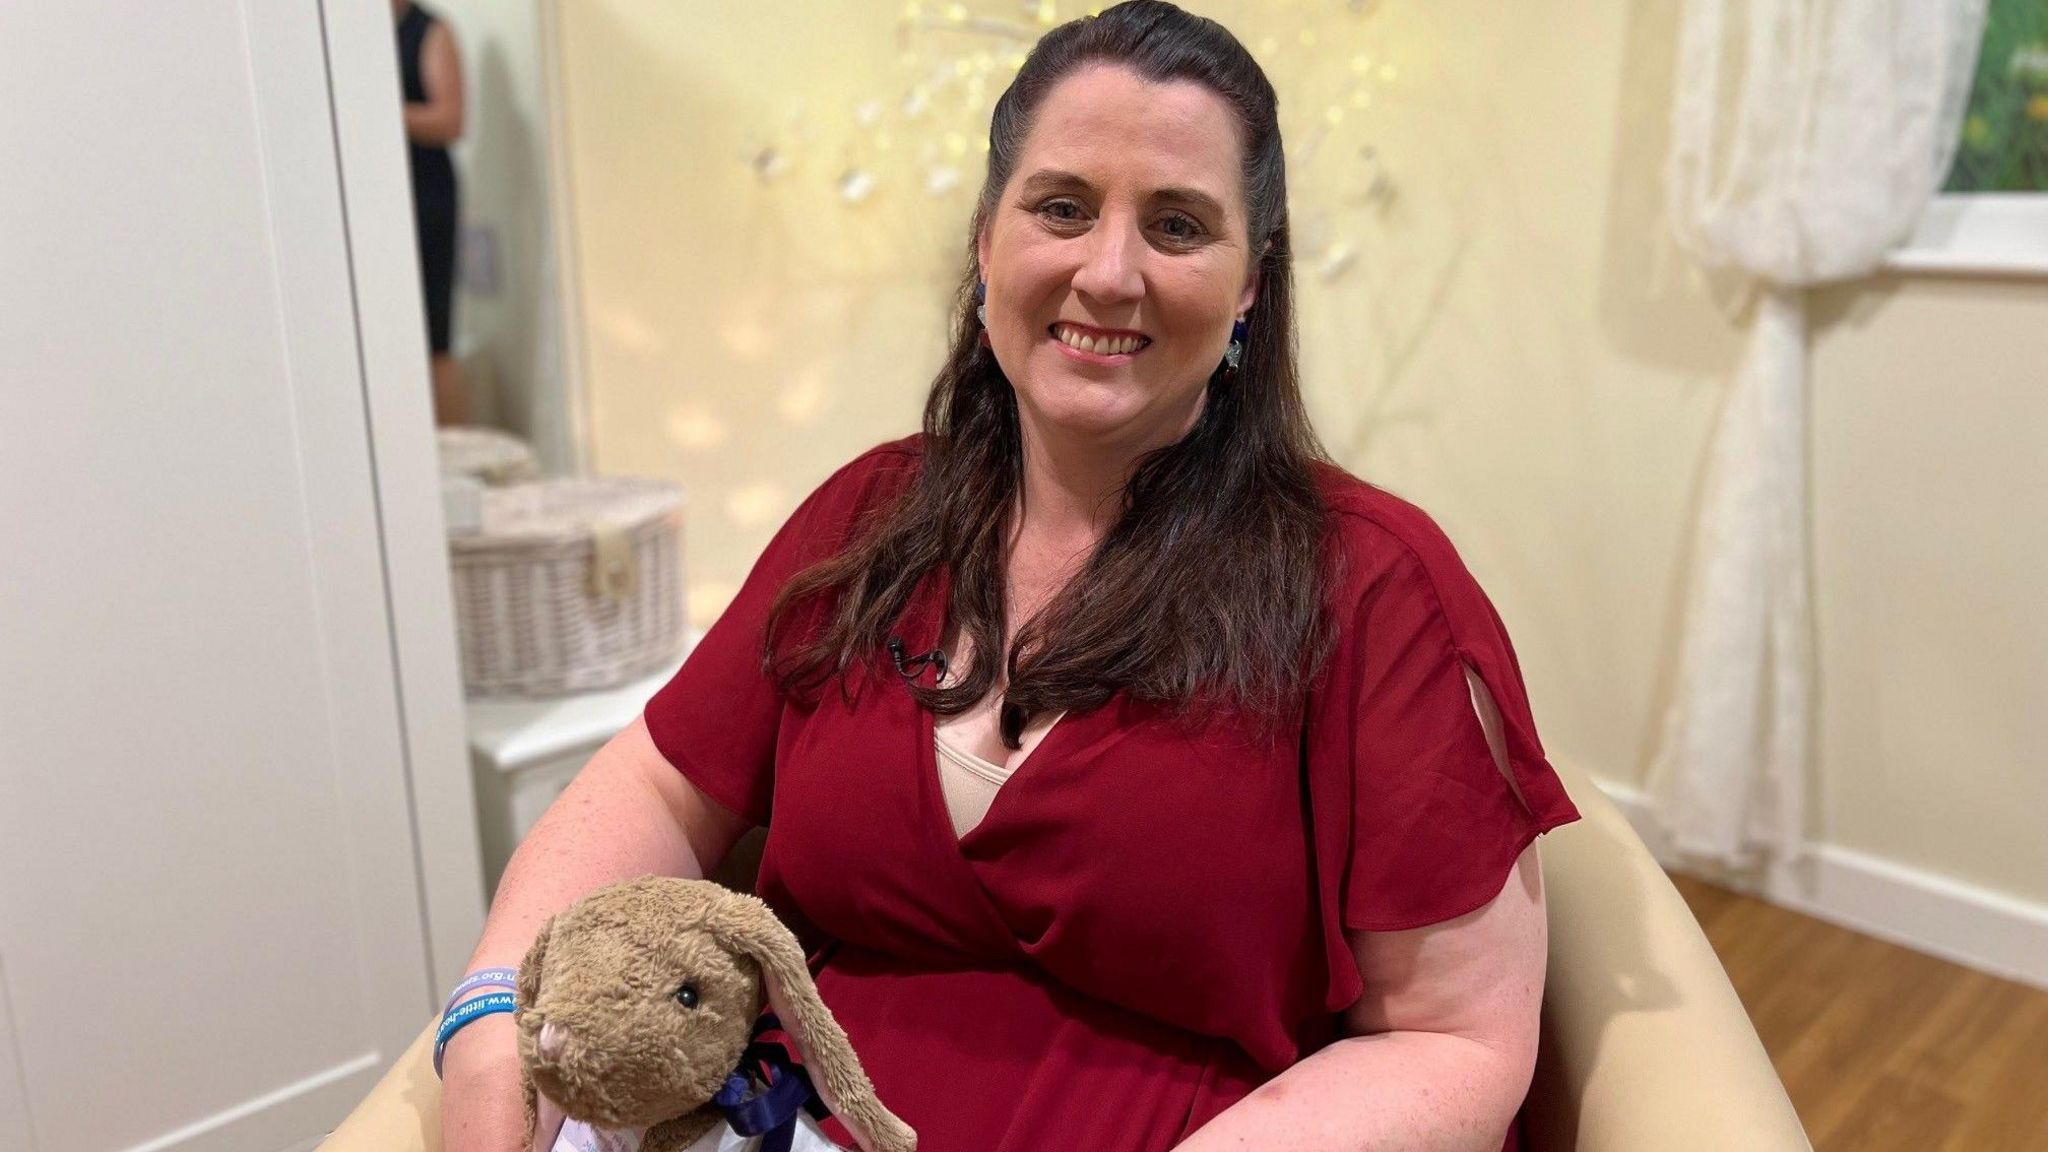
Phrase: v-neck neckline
(982, 766)
(930, 627)
(934, 784)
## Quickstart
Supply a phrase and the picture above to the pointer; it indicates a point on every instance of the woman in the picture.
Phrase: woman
(431, 68)
(1256, 872)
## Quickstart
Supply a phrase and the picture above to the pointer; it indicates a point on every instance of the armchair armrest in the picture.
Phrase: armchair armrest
(402, 1113)
(1645, 1047)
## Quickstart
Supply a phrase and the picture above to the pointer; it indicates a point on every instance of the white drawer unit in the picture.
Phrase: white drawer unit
(525, 751)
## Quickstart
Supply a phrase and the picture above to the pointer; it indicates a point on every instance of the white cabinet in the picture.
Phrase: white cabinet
(524, 752)
(237, 859)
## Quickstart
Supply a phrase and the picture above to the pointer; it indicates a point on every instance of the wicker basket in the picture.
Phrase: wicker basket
(572, 585)
(491, 456)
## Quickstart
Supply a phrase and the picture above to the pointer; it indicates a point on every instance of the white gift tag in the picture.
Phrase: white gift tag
(577, 1136)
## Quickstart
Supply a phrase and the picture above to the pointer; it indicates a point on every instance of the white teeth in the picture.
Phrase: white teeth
(1101, 346)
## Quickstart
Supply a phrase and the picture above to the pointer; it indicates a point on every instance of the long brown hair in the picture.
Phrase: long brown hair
(1210, 585)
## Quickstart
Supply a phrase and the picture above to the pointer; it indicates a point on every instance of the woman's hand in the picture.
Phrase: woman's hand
(483, 1108)
(546, 1126)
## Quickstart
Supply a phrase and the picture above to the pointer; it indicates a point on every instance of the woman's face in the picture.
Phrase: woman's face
(1117, 258)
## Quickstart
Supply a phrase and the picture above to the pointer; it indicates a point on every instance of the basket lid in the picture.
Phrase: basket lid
(567, 508)
(473, 448)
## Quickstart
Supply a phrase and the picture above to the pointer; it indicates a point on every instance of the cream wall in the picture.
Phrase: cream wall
(1931, 437)
(1515, 346)
(745, 336)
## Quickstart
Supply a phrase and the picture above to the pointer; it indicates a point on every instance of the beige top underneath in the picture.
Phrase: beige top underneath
(968, 782)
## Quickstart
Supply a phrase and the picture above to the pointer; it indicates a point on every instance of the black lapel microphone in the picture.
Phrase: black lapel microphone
(911, 667)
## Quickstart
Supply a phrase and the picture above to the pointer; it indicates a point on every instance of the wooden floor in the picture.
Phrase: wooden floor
(1881, 1047)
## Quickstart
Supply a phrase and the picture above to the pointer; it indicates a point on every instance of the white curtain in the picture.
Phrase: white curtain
(1807, 137)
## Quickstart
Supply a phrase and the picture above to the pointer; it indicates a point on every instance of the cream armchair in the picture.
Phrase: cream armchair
(1645, 1046)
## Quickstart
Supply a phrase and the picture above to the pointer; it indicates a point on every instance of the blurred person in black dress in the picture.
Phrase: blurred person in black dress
(432, 70)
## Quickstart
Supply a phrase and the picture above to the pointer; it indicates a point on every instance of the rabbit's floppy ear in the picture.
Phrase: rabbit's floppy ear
(745, 924)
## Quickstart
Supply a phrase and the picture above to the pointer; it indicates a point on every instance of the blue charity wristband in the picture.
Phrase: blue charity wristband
(497, 977)
(467, 1012)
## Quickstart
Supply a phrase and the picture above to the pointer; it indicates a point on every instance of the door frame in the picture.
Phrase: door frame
(376, 191)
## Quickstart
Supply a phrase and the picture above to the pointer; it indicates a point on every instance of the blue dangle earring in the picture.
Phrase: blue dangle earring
(1234, 355)
(981, 309)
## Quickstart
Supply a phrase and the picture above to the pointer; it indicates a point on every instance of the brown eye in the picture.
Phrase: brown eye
(687, 996)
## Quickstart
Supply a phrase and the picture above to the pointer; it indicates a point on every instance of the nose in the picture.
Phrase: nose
(1109, 271)
(552, 1037)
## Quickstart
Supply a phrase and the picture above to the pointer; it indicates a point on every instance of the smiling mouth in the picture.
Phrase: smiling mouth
(1098, 343)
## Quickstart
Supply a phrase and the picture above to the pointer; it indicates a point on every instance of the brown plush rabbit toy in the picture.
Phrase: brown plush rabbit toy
(637, 1003)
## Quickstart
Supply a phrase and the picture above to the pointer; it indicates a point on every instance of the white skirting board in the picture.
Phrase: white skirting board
(1972, 926)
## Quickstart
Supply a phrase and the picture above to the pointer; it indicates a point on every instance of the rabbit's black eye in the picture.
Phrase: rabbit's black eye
(687, 995)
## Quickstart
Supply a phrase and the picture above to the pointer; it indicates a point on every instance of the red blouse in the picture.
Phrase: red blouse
(1149, 922)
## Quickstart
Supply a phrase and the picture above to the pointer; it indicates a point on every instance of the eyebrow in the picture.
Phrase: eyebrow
(1048, 180)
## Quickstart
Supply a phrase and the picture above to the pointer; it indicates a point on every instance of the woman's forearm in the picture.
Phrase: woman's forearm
(1413, 1091)
(628, 813)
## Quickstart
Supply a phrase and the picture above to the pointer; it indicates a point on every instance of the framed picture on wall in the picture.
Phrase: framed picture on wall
(1992, 214)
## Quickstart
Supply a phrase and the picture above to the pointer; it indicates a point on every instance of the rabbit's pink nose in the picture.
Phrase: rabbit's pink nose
(551, 1037)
